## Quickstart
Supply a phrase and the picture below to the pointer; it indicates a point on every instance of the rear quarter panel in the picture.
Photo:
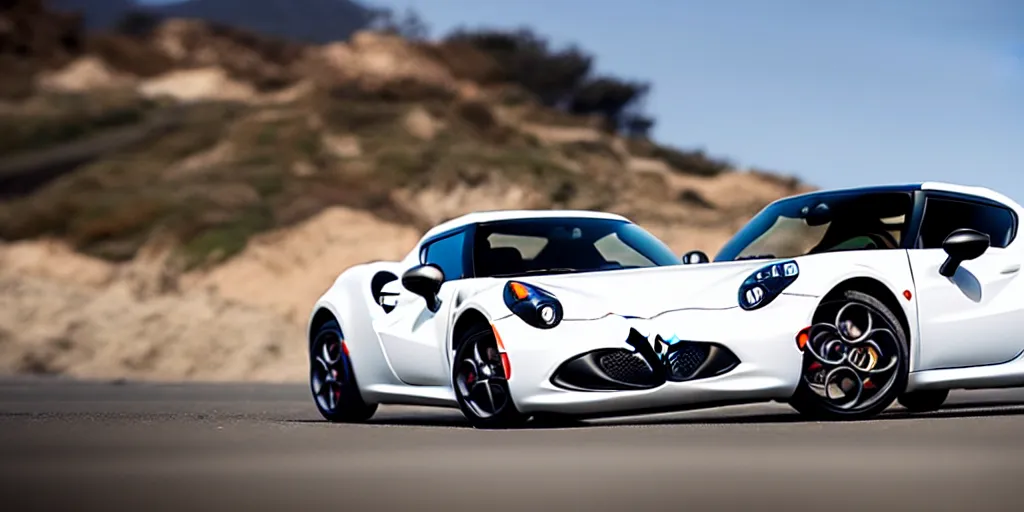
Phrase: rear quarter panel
(351, 302)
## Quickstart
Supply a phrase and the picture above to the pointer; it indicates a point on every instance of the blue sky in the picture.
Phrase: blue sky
(838, 93)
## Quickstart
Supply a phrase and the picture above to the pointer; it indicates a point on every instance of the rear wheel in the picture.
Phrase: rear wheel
(331, 379)
(924, 401)
(855, 362)
(481, 386)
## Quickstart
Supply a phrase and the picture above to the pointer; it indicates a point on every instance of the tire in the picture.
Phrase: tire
(833, 336)
(478, 379)
(924, 401)
(332, 381)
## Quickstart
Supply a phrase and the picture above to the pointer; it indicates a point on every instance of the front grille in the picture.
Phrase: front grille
(625, 366)
(687, 359)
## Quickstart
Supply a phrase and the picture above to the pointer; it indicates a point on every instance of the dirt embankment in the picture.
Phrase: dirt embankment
(65, 313)
(62, 312)
(184, 198)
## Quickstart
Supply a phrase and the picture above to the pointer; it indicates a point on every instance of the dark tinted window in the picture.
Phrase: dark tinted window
(555, 245)
(944, 216)
(819, 223)
(447, 253)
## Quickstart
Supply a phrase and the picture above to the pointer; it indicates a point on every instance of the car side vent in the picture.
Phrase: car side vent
(384, 300)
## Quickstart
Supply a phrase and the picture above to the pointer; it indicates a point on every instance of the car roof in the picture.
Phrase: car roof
(982, 192)
(497, 215)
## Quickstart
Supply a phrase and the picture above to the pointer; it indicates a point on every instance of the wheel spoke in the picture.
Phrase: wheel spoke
(323, 363)
(893, 361)
(827, 343)
(330, 396)
(473, 396)
(884, 332)
(840, 383)
(326, 353)
(490, 397)
(848, 328)
(476, 355)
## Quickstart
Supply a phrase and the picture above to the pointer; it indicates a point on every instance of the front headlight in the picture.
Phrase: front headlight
(765, 285)
(533, 305)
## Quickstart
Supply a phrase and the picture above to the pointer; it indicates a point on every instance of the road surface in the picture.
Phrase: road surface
(130, 446)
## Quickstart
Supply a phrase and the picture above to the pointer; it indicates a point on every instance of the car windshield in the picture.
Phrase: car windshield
(819, 223)
(563, 245)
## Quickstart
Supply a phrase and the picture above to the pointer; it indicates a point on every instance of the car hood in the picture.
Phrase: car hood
(648, 292)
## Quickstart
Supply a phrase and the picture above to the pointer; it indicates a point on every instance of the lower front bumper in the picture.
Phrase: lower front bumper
(766, 365)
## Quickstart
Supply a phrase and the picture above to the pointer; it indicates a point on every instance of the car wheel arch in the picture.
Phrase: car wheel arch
(468, 319)
(322, 316)
(878, 290)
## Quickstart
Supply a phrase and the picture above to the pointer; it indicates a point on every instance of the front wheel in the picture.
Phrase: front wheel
(332, 381)
(855, 360)
(481, 386)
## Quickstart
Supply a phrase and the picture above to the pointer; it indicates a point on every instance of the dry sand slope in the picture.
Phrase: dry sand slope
(64, 313)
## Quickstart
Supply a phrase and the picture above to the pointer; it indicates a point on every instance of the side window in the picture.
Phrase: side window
(944, 216)
(447, 254)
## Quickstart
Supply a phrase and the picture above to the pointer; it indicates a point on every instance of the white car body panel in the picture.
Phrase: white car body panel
(764, 341)
(973, 319)
(962, 331)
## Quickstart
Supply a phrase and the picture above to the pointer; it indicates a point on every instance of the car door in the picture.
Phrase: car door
(974, 317)
(412, 335)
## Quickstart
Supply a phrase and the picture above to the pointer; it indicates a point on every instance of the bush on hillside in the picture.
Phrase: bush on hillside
(524, 58)
(608, 97)
(557, 78)
(409, 25)
(695, 162)
(137, 23)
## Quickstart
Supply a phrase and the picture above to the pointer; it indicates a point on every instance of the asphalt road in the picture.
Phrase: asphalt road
(99, 446)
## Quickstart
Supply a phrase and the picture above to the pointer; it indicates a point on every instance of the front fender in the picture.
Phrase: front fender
(822, 273)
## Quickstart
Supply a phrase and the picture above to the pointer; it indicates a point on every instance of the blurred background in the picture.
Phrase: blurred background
(179, 181)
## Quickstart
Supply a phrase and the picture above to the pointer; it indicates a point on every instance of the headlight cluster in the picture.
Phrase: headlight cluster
(533, 305)
(766, 284)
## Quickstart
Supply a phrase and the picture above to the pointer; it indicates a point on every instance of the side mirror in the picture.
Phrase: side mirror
(695, 257)
(963, 245)
(425, 281)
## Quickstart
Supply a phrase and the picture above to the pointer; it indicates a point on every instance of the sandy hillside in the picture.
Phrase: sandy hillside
(66, 313)
(172, 204)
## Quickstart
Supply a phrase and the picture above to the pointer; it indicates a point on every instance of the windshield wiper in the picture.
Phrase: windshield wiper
(758, 257)
(542, 271)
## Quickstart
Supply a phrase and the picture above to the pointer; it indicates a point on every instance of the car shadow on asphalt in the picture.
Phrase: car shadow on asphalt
(453, 420)
(965, 410)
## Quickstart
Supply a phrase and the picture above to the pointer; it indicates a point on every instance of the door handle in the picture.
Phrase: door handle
(1012, 269)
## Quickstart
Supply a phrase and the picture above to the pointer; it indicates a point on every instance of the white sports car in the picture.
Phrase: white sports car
(836, 302)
